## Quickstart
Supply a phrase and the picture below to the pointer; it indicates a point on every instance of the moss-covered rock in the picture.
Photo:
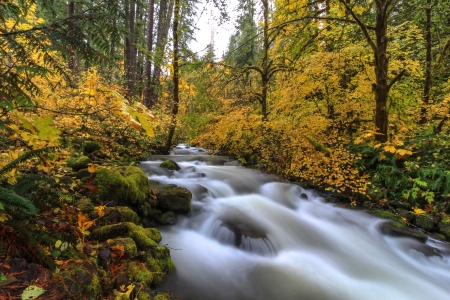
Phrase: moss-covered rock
(81, 281)
(141, 236)
(167, 218)
(90, 147)
(384, 214)
(175, 198)
(128, 185)
(127, 214)
(406, 214)
(399, 229)
(79, 163)
(139, 187)
(128, 244)
(154, 234)
(170, 164)
(425, 221)
(139, 273)
(160, 263)
(444, 227)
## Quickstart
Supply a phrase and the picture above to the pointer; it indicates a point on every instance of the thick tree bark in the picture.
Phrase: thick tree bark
(164, 18)
(428, 61)
(381, 72)
(148, 56)
(175, 78)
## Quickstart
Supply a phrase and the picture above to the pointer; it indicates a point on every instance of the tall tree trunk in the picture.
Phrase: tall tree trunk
(428, 61)
(175, 78)
(148, 56)
(265, 63)
(381, 72)
(71, 52)
(164, 18)
(129, 46)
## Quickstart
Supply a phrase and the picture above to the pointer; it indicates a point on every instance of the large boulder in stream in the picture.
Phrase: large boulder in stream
(174, 198)
(170, 164)
(399, 229)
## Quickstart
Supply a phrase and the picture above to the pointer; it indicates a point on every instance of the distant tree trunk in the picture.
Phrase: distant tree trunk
(265, 62)
(176, 20)
(71, 53)
(428, 61)
(148, 56)
(130, 13)
(164, 18)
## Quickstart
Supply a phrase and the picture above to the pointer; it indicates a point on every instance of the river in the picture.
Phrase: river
(249, 237)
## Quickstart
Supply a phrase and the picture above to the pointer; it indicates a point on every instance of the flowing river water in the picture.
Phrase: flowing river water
(249, 237)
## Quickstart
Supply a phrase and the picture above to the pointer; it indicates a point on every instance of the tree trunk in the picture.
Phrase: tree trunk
(148, 56)
(428, 61)
(265, 63)
(175, 75)
(71, 52)
(164, 18)
(130, 47)
(175, 78)
(381, 73)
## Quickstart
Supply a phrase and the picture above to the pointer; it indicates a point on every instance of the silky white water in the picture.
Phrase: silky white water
(250, 237)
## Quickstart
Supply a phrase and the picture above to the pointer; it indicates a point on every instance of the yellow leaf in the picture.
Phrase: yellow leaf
(419, 211)
(389, 148)
(100, 210)
(403, 152)
(129, 290)
(4, 217)
(58, 244)
(92, 168)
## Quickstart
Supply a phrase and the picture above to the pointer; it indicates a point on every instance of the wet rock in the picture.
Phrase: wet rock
(126, 244)
(104, 257)
(83, 173)
(303, 196)
(167, 218)
(444, 227)
(121, 280)
(398, 229)
(398, 204)
(170, 164)
(143, 237)
(426, 222)
(408, 215)
(82, 280)
(175, 198)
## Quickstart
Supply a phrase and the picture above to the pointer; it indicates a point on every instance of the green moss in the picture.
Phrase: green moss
(131, 187)
(139, 234)
(169, 164)
(85, 205)
(95, 288)
(138, 272)
(112, 186)
(145, 209)
(175, 198)
(80, 163)
(166, 218)
(127, 214)
(154, 234)
(162, 297)
(160, 263)
(90, 147)
(139, 187)
(128, 244)
(384, 214)
(143, 296)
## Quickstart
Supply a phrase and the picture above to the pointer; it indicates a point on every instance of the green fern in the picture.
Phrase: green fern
(15, 204)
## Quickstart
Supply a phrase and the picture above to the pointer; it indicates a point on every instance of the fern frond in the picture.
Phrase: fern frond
(16, 204)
